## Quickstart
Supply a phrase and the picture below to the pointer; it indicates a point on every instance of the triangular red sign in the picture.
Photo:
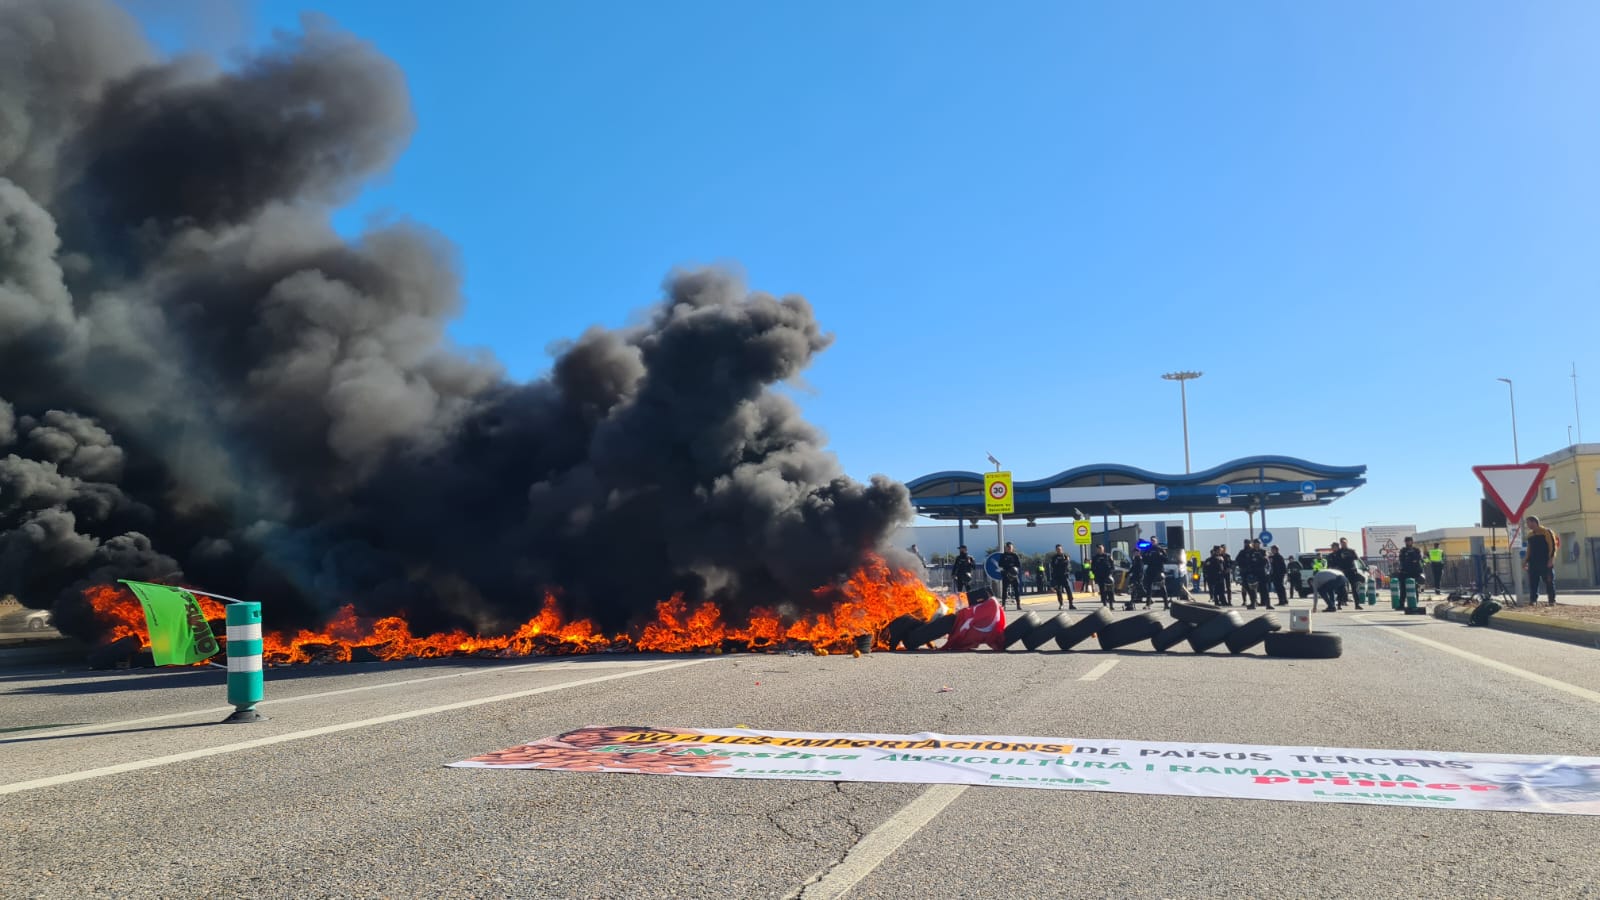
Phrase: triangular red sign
(1511, 487)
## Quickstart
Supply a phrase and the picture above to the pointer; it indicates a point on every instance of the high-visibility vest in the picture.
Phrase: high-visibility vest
(1436, 555)
(1318, 564)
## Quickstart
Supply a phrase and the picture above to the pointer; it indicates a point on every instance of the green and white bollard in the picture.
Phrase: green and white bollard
(1372, 594)
(1411, 593)
(244, 661)
(1394, 593)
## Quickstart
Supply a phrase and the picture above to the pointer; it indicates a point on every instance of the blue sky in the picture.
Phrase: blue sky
(1351, 216)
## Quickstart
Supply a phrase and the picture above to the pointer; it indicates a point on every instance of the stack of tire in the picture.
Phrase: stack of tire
(1203, 626)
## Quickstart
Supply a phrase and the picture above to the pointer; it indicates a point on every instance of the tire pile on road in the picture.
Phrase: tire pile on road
(1203, 626)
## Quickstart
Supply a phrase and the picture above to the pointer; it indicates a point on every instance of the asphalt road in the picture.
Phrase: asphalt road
(120, 785)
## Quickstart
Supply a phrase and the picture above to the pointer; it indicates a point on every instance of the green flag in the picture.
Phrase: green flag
(179, 633)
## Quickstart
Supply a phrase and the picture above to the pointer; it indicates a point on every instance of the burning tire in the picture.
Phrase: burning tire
(1020, 627)
(1044, 631)
(928, 632)
(117, 652)
(1297, 645)
(899, 628)
(1210, 633)
(1251, 633)
(1170, 636)
(1194, 613)
(1070, 636)
(1131, 630)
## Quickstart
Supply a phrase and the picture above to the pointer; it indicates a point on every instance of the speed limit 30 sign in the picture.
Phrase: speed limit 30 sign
(997, 497)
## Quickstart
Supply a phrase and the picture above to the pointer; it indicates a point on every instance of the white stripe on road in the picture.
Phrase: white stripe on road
(136, 765)
(872, 850)
(1095, 673)
(1574, 690)
(547, 664)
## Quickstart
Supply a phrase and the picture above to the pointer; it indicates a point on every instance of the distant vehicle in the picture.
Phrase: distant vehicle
(37, 620)
(1306, 567)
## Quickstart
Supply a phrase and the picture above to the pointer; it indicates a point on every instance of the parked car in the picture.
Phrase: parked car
(37, 620)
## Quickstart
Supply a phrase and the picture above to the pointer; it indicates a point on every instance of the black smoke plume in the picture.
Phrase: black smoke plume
(200, 380)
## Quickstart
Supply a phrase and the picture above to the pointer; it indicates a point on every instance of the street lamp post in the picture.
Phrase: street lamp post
(1516, 454)
(1183, 395)
(999, 518)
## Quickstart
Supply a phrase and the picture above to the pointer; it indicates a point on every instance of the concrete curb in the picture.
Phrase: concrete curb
(1584, 634)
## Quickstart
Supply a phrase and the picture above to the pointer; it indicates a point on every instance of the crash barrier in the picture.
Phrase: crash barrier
(244, 660)
(1202, 626)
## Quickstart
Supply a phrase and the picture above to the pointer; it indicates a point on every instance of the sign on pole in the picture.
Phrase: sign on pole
(1224, 494)
(1265, 536)
(997, 499)
(1308, 490)
(1081, 532)
(1163, 493)
(1511, 487)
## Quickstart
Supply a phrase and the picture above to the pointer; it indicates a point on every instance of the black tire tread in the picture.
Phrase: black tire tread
(1212, 632)
(1194, 613)
(1251, 633)
(1131, 630)
(1304, 645)
(928, 632)
(1020, 627)
(1071, 635)
(1171, 636)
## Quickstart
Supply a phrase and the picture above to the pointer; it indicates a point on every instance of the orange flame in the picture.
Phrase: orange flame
(864, 604)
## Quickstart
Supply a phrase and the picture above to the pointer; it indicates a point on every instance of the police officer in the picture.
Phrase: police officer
(1227, 577)
(1010, 575)
(1253, 569)
(961, 570)
(1436, 566)
(1105, 575)
(1216, 575)
(1296, 575)
(1061, 575)
(1344, 559)
(1135, 577)
(1410, 567)
(1278, 569)
(1155, 572)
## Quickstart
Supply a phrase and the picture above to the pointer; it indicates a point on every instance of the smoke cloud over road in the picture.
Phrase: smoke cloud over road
(201, 380)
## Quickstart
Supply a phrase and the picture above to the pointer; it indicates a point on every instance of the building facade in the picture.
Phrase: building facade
(1568, 503)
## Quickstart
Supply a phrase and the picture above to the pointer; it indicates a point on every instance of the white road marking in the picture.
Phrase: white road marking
(1574, 690)
(1095, 673)
(877, 846)
(548, 665)
(135, 765)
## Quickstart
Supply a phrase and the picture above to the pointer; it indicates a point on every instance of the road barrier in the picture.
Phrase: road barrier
(244, 661)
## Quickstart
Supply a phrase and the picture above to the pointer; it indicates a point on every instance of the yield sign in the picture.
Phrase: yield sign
(1511, 487)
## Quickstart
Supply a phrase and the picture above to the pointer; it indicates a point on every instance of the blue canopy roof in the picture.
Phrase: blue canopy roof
(1251, 483)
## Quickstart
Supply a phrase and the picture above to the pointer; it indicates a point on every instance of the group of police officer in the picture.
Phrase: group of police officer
(1146, 576)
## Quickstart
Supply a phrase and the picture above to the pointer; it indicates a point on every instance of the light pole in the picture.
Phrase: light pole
(1183, 395)
(999, 518)
(1516, 454)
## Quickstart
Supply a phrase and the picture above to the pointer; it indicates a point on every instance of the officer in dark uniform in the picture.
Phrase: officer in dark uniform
(1010, 575)
(1105, 575)
(1410, 567)
(1253, 569)
(1227, 577)
(1155, 573)
(1216, 574)
(1278, 569)
(961, 570)
(1296, 575)
(1135, 577)
(1061, 575)
(1344, 559)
